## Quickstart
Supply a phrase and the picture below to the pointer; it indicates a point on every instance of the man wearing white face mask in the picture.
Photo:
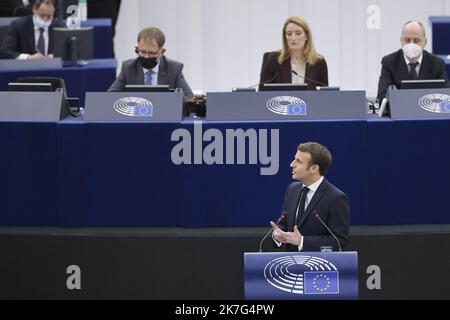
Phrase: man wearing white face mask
(411, 62)
(32, 37)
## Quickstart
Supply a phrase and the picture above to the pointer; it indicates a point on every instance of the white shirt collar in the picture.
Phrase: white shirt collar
(313, 187)
(419, 60)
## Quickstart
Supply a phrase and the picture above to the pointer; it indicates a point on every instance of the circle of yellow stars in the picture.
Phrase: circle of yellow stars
(321, 276)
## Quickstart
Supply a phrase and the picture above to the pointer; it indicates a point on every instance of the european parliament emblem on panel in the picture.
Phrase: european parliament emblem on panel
(134, 107)
(302, 275)
(437, 103)
(287, 106)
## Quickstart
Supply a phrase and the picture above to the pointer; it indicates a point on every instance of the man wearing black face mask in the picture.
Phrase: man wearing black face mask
(151, 67)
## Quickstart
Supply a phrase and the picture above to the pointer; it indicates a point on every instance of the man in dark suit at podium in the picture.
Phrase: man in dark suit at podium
(31, 37)
(312, 205)
(151, 67)
(411, 62)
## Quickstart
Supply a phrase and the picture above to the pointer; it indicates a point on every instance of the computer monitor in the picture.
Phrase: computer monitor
(24, 86)
(423, 84)
(57, 83)
(74, 45)
(283, 87)
(148, 88)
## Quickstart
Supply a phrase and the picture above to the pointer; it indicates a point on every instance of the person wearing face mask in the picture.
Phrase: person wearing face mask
(298, 60)
(151, 66)
(31, 37)
(411, 62)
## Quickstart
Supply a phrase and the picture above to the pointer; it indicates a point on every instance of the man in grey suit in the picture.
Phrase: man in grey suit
(151, 67)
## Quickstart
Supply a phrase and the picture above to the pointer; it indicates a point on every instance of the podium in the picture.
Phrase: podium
(32, 106)
(301, 276)
(286, 105)
(420, 103)
(134, 106)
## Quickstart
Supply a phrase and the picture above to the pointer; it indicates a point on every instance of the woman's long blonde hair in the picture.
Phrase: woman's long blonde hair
(309, 52)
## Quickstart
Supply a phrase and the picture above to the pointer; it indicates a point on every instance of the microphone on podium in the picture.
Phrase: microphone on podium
(331, 232)
(310, 80)
(253, 87)
(281, 218)
(384, 107)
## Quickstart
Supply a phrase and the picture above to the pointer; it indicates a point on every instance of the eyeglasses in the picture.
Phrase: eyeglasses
(144, 53)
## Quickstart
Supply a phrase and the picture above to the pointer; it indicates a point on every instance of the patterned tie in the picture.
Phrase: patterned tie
(148, 77)
(41, 43)
(301, 206)
(413, 72)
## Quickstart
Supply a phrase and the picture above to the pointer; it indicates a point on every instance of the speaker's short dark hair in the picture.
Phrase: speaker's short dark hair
(319, 155)
(38, 3)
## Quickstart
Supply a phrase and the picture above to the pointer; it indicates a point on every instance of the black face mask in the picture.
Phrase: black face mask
(148, 63)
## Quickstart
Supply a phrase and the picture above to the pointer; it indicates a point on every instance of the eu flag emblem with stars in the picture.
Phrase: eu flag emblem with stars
(444, 107)
(322, 282)
(143, 111)
(296, 109)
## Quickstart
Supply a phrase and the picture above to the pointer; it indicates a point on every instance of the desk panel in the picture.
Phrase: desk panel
(111, 174)
(408, 171)
(97, 75)
(440, 27)
(28, 174)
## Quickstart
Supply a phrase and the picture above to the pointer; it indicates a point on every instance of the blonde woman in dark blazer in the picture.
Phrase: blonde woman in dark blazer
(298, 60)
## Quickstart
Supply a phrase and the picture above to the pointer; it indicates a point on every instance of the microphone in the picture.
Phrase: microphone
(263, 82)
(384, 107)
(331, 232)
(307, 79)
(281, 218)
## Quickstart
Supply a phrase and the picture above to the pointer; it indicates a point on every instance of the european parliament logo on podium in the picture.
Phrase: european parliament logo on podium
(439, 103)
(134, 107)
(303, 275)
(287, 106)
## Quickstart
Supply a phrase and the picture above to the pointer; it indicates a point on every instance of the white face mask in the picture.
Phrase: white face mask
(412, 50)
(40, 23)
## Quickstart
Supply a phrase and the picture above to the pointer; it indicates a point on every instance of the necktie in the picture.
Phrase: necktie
(301, 205)
(41, 43)
(413, 71)
(148, 77)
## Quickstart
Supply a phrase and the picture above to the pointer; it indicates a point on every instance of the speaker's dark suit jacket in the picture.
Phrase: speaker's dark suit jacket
(170, 72)
(394, 69)
(331, 204)
(20, 37)
(273, 72)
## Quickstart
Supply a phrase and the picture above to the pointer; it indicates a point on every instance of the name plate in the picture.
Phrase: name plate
(420, 104)
(286, 105)
(134, 106)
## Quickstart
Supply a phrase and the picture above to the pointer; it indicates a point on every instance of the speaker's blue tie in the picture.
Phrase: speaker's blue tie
(148, 77)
